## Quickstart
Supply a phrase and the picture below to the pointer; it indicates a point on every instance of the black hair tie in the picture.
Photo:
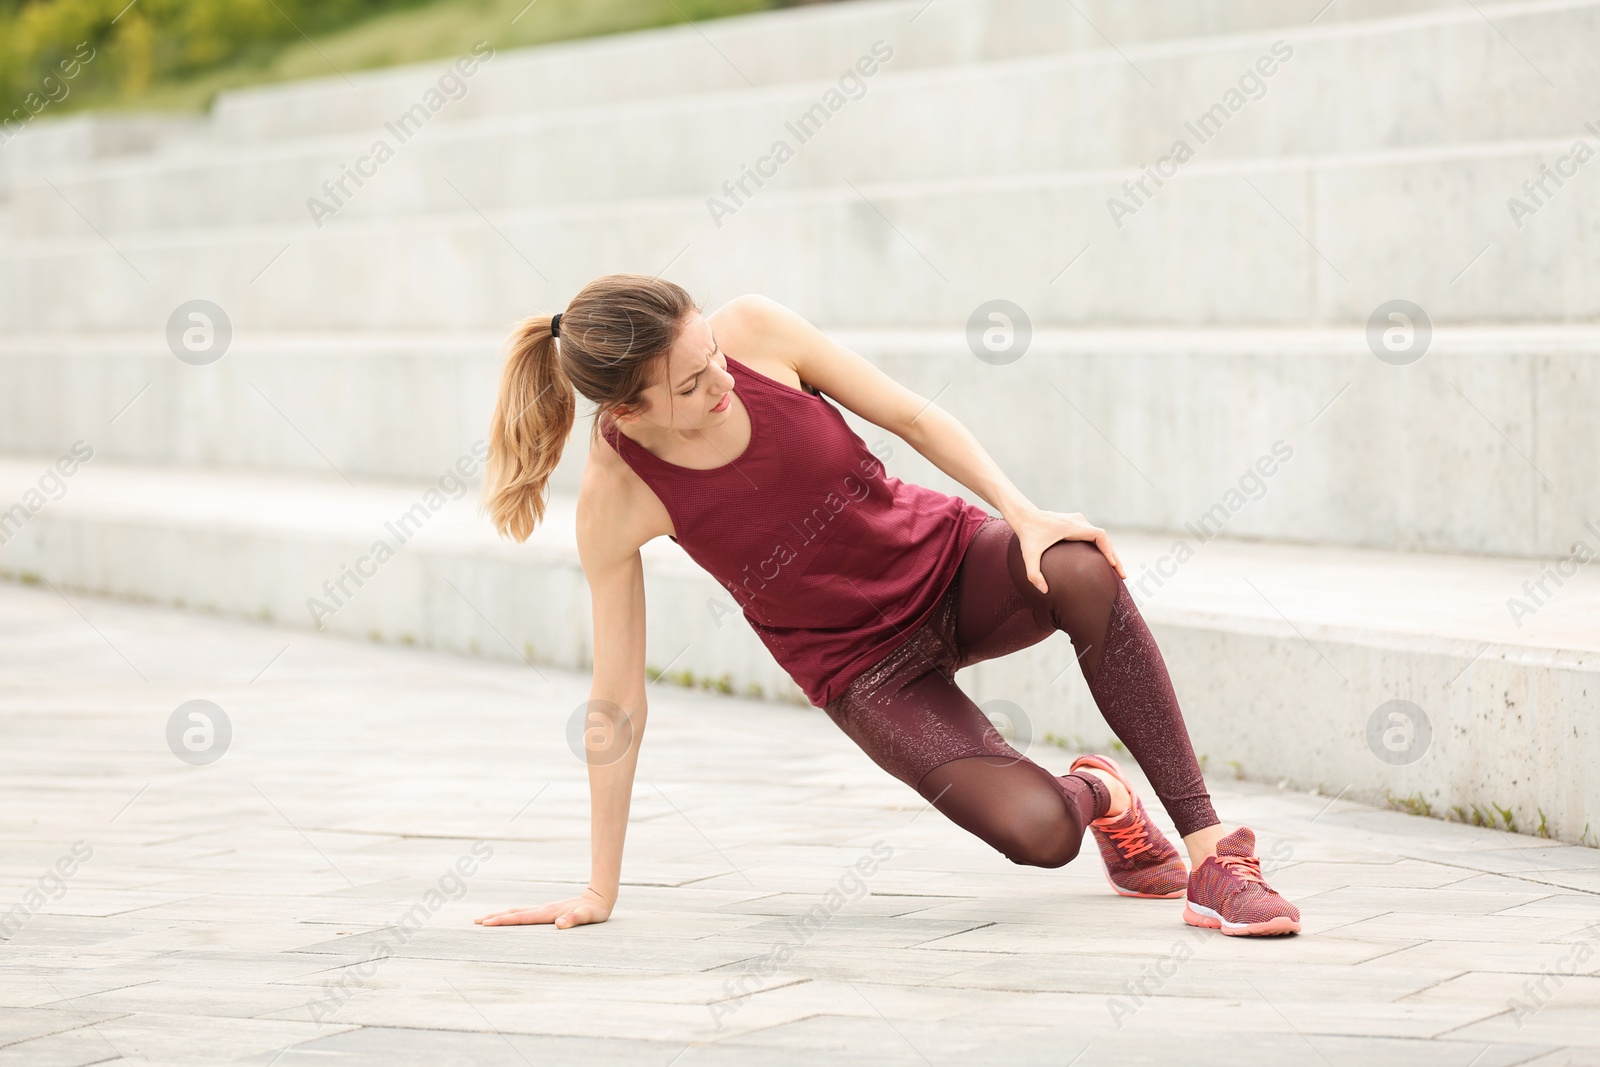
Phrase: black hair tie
(555, 325)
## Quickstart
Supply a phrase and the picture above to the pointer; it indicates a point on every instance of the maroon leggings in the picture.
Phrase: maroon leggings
(907, 713)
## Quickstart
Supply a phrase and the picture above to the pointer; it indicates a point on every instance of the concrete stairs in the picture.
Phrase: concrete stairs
(1175, 343)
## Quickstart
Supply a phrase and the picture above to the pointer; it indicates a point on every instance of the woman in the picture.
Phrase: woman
(871, 592)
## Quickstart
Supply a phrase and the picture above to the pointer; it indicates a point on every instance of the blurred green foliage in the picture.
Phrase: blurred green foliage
(178, 53)
(97, 43)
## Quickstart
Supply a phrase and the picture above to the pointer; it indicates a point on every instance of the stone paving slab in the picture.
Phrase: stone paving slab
(250, 910)
(173, 1036)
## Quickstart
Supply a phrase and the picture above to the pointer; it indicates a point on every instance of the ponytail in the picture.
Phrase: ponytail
(533, 413)
(614, 335)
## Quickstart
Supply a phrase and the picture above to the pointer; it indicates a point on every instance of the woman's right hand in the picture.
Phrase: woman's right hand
(588, 907)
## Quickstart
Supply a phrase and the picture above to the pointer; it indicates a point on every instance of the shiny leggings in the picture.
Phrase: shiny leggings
(910, 717)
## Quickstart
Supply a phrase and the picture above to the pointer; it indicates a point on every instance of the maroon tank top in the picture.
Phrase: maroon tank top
(833, 561)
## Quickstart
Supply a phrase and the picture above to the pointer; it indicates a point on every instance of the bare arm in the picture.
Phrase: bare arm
(786, 337)
(615, 719)
(609, 535)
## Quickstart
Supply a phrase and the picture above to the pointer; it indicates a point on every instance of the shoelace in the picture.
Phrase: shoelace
(1132, 839)
(1247, 868)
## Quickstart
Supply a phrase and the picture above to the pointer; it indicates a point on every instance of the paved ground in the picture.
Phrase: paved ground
(307, 898)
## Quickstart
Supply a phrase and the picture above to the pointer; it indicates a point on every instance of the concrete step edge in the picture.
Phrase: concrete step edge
(775, 199)
(1438, 602)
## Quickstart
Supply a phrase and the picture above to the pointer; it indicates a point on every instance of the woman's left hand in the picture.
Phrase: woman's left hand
(1037, 530)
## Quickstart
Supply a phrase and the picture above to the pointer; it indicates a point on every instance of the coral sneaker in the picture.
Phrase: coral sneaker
(1140, 861)
(1227, 892)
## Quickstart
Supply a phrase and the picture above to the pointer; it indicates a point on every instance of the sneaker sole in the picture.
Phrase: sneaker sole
(1202, 916)
(1121, 892)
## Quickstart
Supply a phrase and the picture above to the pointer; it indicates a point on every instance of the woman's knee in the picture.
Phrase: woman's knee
(1057, 852)
(1077, 567)
(1016, 806)
(1043, 838)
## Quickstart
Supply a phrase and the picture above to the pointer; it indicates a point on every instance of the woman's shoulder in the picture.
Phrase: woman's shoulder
(759, 332)
(748, 311)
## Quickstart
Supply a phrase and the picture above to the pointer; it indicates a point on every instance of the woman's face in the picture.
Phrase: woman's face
(696, 391)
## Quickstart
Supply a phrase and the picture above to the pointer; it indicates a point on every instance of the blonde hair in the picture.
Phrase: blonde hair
(612, 334)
